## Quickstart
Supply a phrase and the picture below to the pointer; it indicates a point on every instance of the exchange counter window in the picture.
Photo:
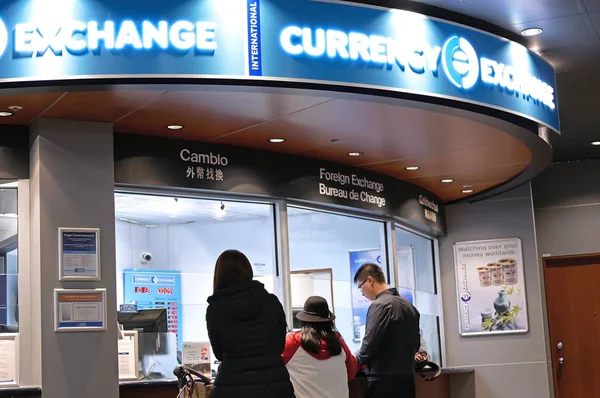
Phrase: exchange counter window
(416, 279)
(9, 270)
(326, 249)
(166, 252)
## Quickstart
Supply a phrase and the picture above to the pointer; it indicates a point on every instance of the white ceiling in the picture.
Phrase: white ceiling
(152, 210)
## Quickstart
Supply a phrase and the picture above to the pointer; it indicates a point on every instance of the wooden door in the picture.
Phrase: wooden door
(573, 300)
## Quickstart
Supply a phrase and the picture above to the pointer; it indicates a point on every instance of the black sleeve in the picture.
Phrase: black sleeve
(281, 324)
(213, 333)
(378, 318)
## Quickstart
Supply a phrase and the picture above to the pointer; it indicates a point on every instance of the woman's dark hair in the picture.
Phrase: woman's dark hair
(232, 267)
(315, 332)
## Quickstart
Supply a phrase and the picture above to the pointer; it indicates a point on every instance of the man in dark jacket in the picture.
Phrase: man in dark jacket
(391, 339)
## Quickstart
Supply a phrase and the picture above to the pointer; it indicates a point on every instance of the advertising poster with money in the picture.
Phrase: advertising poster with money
(490, 284)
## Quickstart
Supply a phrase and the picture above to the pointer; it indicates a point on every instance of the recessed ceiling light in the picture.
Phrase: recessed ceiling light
(5, 113)
(276, 140)
(447, 180)
(595, 143)
(174, 126)
(532, 32)
(412, 168)
(467, 191)
(355, 154)
(467, 186)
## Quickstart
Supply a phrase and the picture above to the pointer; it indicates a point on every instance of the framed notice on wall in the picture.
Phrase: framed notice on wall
(79, 254)
(9, 360)
(490, 287)
(79, 310)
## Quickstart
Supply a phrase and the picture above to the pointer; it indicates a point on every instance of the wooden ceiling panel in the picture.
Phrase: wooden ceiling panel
(473, 177)
(392, 137)
(33, 106)
(507, 151)
(455, 193)
(207, 115)
(298, 138)
(100, 106)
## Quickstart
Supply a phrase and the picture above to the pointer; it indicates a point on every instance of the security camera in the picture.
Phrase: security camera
(146, 257)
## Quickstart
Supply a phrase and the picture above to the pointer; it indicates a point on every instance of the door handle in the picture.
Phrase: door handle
(561, 361)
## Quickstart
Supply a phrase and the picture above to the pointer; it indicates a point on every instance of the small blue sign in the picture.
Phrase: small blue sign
(128, 308)
(254, 48)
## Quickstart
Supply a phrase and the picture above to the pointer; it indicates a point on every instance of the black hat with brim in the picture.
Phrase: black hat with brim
(316, 310)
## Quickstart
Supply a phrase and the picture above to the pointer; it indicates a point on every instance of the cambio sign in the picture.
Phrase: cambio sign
(459, 60)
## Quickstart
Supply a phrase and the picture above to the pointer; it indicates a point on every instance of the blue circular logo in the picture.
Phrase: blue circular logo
(154, 279)
(465, 297)
(460, 62)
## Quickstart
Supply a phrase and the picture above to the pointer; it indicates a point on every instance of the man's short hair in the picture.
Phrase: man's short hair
(369, 269)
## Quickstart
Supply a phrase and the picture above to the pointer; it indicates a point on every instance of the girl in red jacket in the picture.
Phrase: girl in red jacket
(318, 360)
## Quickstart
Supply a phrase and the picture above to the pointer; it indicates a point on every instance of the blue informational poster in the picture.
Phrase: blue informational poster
(150, 289)
(360, 304)
(79, 253)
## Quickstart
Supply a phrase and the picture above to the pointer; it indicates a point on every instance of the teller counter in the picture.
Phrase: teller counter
(439, 388)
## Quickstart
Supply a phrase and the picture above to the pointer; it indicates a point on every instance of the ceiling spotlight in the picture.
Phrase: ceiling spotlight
(412, 168)
(15, 108)
(467, 191)
(5, 113)
(532, 32)
(595, 143)
(276, 140)
(447, 180)
(174, 126)
(355, 153)
(467, 186)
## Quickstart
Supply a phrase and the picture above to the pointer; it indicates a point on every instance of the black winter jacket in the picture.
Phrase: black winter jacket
(247, 329)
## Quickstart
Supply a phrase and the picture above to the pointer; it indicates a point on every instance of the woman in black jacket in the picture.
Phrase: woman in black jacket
(247, 330)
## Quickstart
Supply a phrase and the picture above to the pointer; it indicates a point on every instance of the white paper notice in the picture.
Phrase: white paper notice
(127, 357)
(86, 312)
(7, 361)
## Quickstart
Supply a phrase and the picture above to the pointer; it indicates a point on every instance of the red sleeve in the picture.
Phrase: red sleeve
(351, 366)
(292, 343)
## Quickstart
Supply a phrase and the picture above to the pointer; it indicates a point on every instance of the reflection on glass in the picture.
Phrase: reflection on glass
(9, 270)
(326, 248)
(183, 238)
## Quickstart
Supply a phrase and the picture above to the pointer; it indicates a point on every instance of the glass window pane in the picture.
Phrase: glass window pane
(416, 275)
(422, 252)
(184, 237)
(325, 251)
(9, 270)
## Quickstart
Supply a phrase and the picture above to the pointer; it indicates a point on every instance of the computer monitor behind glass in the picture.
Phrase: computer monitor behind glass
(145, 321)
